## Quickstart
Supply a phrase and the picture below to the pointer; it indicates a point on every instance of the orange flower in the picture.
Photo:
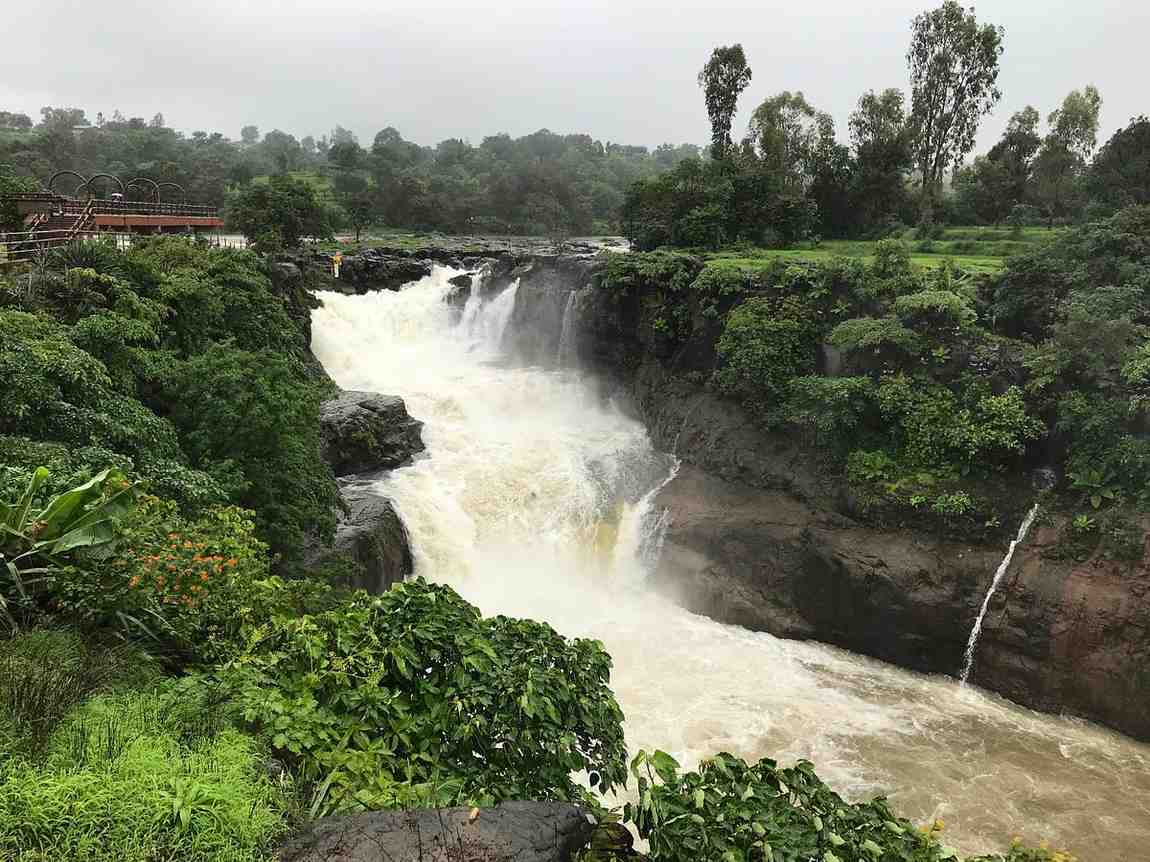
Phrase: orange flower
(233, 562)
(171, 567)
(203, 576)
(134, 581)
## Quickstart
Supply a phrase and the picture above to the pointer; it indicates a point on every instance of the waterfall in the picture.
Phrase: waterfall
(566, 348)
(642, 531)
(537, 499)
(485, 320)
(972, 643)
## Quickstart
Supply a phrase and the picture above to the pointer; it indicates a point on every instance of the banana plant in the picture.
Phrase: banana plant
(33, 541)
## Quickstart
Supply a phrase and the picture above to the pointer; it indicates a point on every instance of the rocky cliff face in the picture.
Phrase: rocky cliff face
(762, 535)
(364, 433)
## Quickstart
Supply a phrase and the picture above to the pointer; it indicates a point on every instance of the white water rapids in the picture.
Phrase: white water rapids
(534, 500)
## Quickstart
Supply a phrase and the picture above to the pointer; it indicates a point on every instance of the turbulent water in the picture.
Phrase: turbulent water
(535, 499)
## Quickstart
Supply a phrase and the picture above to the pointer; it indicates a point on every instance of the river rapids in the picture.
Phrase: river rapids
(535, 499)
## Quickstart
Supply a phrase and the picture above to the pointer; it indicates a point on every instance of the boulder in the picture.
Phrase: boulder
(370, 550)
(363, 432)
(374, 269)
(509, 832)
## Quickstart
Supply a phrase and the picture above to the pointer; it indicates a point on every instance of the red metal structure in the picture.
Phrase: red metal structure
(52, 219)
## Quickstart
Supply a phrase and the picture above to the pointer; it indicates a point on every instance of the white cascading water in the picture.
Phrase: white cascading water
(536, 499)
(976, 629)
(565, 353)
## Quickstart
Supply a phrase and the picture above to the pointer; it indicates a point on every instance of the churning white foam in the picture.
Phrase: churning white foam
(535, 499)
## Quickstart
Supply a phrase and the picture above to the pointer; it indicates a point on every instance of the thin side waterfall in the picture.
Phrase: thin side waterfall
(567, 334)
(972, 644)
(642, 531)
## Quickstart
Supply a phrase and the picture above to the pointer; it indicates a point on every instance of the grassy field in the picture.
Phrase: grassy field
(976, 249)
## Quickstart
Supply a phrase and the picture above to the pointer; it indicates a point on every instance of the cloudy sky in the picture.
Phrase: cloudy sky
(622, 70)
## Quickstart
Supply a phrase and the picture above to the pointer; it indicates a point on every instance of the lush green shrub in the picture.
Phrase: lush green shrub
(119, 785)
(176, 583)
(40, 538)
(935, 311)
(935, 428)
(841, 411)
(881, 335)
(762, 347)
(413, 694)
(250, 419)
(732, 810)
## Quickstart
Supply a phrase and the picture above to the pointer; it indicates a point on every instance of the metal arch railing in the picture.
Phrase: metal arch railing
(163, 185)
(139, 182)
(52, 180)
(87, 184)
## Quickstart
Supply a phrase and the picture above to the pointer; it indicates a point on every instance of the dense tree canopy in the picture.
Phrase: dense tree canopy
(953, 72)
(724, 77)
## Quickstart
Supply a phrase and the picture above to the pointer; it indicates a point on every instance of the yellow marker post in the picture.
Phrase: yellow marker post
(336, 260)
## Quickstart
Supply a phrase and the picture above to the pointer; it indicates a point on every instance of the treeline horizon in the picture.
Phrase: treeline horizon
(788, 179)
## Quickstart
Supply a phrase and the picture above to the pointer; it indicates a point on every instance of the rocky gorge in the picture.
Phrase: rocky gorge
(763, 536)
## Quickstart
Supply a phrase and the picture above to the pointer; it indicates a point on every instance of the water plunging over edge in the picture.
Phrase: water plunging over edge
(972, 644)
(567, 333)
(537, 500)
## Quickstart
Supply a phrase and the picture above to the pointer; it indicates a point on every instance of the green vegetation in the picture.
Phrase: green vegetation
(173, 684)
(932, 389)
(279, 213)
(178, 364)
(122, 778)
(730, 809)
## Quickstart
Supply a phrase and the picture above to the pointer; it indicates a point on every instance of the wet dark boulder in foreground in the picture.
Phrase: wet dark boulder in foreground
(519, 831)
(363, 432)
(370, 550)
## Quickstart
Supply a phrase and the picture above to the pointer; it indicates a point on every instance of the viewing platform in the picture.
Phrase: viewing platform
(51, 219)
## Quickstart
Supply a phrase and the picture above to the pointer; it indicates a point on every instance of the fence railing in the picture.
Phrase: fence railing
(34, 246)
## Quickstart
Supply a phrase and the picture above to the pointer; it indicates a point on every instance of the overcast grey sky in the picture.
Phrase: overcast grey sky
(622, 70)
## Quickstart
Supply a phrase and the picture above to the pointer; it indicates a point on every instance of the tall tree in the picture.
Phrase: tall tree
(1075, 122)
(724, 77)
(954, 73)
(1060, 167)
(250, 135)
(790, 135)
(1120, 174)
(1015, 152)
(880, 135)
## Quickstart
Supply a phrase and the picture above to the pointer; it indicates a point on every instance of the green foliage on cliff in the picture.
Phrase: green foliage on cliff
(178, 363)
(924, 386)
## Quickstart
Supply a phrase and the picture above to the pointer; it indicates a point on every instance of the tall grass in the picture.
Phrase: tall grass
(118, 783)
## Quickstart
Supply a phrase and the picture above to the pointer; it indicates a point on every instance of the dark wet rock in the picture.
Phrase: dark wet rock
(766, 560)
(376, 270)
(463, 280)
(365, 431)
(371, 549)
(545, 286)
(509, 832)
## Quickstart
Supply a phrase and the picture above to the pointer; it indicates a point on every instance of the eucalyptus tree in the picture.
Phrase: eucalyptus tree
(789, 135)
(881, 139)
(1060, 166)
(953, 64)
(723, 79)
